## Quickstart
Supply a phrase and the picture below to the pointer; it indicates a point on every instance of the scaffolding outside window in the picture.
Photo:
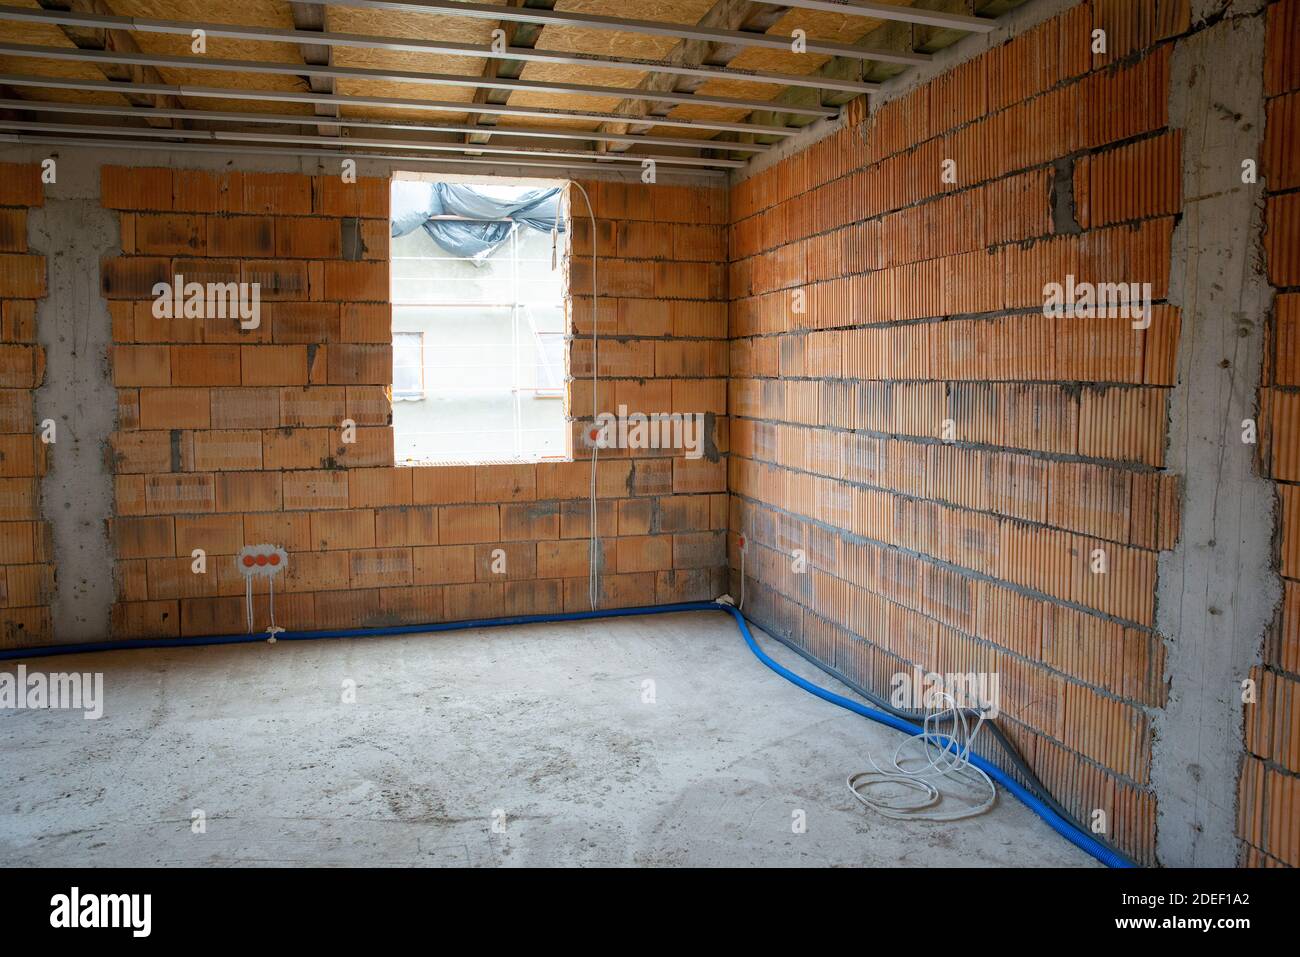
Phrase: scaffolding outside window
(479, 345)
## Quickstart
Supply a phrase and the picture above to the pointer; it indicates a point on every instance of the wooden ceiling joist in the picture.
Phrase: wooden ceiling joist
(90, 38)
(310, 18)
(517, 36)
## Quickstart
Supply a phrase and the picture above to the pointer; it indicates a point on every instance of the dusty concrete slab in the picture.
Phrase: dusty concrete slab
(552, 729)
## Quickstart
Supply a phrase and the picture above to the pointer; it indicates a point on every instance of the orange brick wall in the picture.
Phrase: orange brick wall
(922, 301)
(228, 437)
(26, 565)
(1269, 799)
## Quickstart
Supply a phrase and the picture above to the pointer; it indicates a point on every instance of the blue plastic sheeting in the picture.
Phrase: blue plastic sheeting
(414, 203)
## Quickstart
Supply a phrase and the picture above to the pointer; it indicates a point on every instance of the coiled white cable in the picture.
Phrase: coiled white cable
(945, 755)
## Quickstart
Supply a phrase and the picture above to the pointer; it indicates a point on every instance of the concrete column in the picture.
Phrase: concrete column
(1218, 592)
(74, 328)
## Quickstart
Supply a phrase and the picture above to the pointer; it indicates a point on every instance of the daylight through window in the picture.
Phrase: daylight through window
(478, 320)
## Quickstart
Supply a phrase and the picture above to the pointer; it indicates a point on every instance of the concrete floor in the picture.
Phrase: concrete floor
(545, 724)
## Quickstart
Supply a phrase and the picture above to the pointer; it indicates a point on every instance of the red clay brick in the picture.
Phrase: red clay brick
(122, 187)
(20, 184)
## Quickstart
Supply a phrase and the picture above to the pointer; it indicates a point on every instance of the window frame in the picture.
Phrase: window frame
(407, 395)
(554, 384)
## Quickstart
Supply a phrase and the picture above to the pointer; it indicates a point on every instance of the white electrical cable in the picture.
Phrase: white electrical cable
(744, 547)
(593, 541)
(248, 605)
(946, 755)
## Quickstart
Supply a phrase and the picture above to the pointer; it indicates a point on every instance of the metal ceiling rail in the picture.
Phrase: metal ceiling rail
(476, 80)
(104, 143)
(97, 21)
(350, 143)
(890, 11)
(385, 102)
(681, 31)
(224, 116)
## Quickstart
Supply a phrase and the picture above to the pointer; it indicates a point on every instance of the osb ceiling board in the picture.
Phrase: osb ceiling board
(565, 101)
(742, 89)
(405, 61)
(399, 115)
(404, 91)
(589, 76)
(410, 26)
(256, 13)
(12, 31)
(838, 27)
(469, 30)
(610, 44)
(247, 106)
(818, 25)
(689, 132)
(585, 126)
(826, 26)
(64, 96)
(219, 48)
(660, 11)
(418, 26)
(31, 5)
(606, 43)
(267, 82)
(43, 34)
(261, 13)
(638, 46)
(275, 13)
(699, 111)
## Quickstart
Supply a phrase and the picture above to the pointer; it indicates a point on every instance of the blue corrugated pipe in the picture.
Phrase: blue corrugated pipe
(1060, 825)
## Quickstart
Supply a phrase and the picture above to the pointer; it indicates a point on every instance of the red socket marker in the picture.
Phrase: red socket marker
(261, 561)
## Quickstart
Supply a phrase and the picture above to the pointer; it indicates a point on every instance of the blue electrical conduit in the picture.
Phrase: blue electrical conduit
(1067, 829)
